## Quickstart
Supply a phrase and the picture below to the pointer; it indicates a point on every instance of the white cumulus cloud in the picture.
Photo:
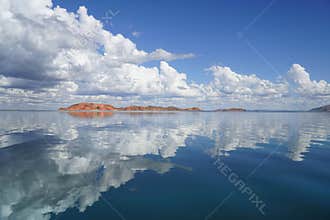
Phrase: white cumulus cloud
(51, 56)
(302, 84)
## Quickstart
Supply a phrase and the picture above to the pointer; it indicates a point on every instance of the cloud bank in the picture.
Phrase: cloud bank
(52, 57)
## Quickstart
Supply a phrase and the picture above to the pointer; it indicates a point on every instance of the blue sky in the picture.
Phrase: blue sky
(284, 32)
(257, 54)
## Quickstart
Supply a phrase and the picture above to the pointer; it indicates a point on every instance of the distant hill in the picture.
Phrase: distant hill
(325, 108)
(85, 106)
(88, 106)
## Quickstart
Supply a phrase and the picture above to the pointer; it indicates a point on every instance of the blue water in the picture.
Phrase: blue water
(55, 165)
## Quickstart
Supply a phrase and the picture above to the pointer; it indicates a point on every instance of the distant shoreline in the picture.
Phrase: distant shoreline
(169, 109)
(202, 111)
(89, 106)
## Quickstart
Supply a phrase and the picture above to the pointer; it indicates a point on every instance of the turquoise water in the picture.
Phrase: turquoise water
(189, 165)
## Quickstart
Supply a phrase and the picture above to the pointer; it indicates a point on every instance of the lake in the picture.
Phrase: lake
(179, 165)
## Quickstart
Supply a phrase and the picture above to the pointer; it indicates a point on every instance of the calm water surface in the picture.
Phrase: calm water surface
(56, 165)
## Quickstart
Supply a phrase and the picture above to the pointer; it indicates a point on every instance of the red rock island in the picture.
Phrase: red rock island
(86, 106)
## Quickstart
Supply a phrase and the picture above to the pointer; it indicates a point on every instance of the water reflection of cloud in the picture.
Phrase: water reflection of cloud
(51, 179)
(59, 167)
(162, 134)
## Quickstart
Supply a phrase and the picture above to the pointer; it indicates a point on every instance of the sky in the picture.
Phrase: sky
(211, 54)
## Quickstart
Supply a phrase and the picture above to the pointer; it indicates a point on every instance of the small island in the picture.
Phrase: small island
(89, 106)
(86, 106)
(325, 108)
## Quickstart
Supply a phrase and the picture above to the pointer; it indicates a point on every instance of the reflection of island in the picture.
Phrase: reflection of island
(54, 161)
(162, 134)
(90, 114)
(70, 162)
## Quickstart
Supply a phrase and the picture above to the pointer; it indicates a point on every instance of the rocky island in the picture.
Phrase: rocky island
(325, 108)
(86, 106)
(96, 107)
